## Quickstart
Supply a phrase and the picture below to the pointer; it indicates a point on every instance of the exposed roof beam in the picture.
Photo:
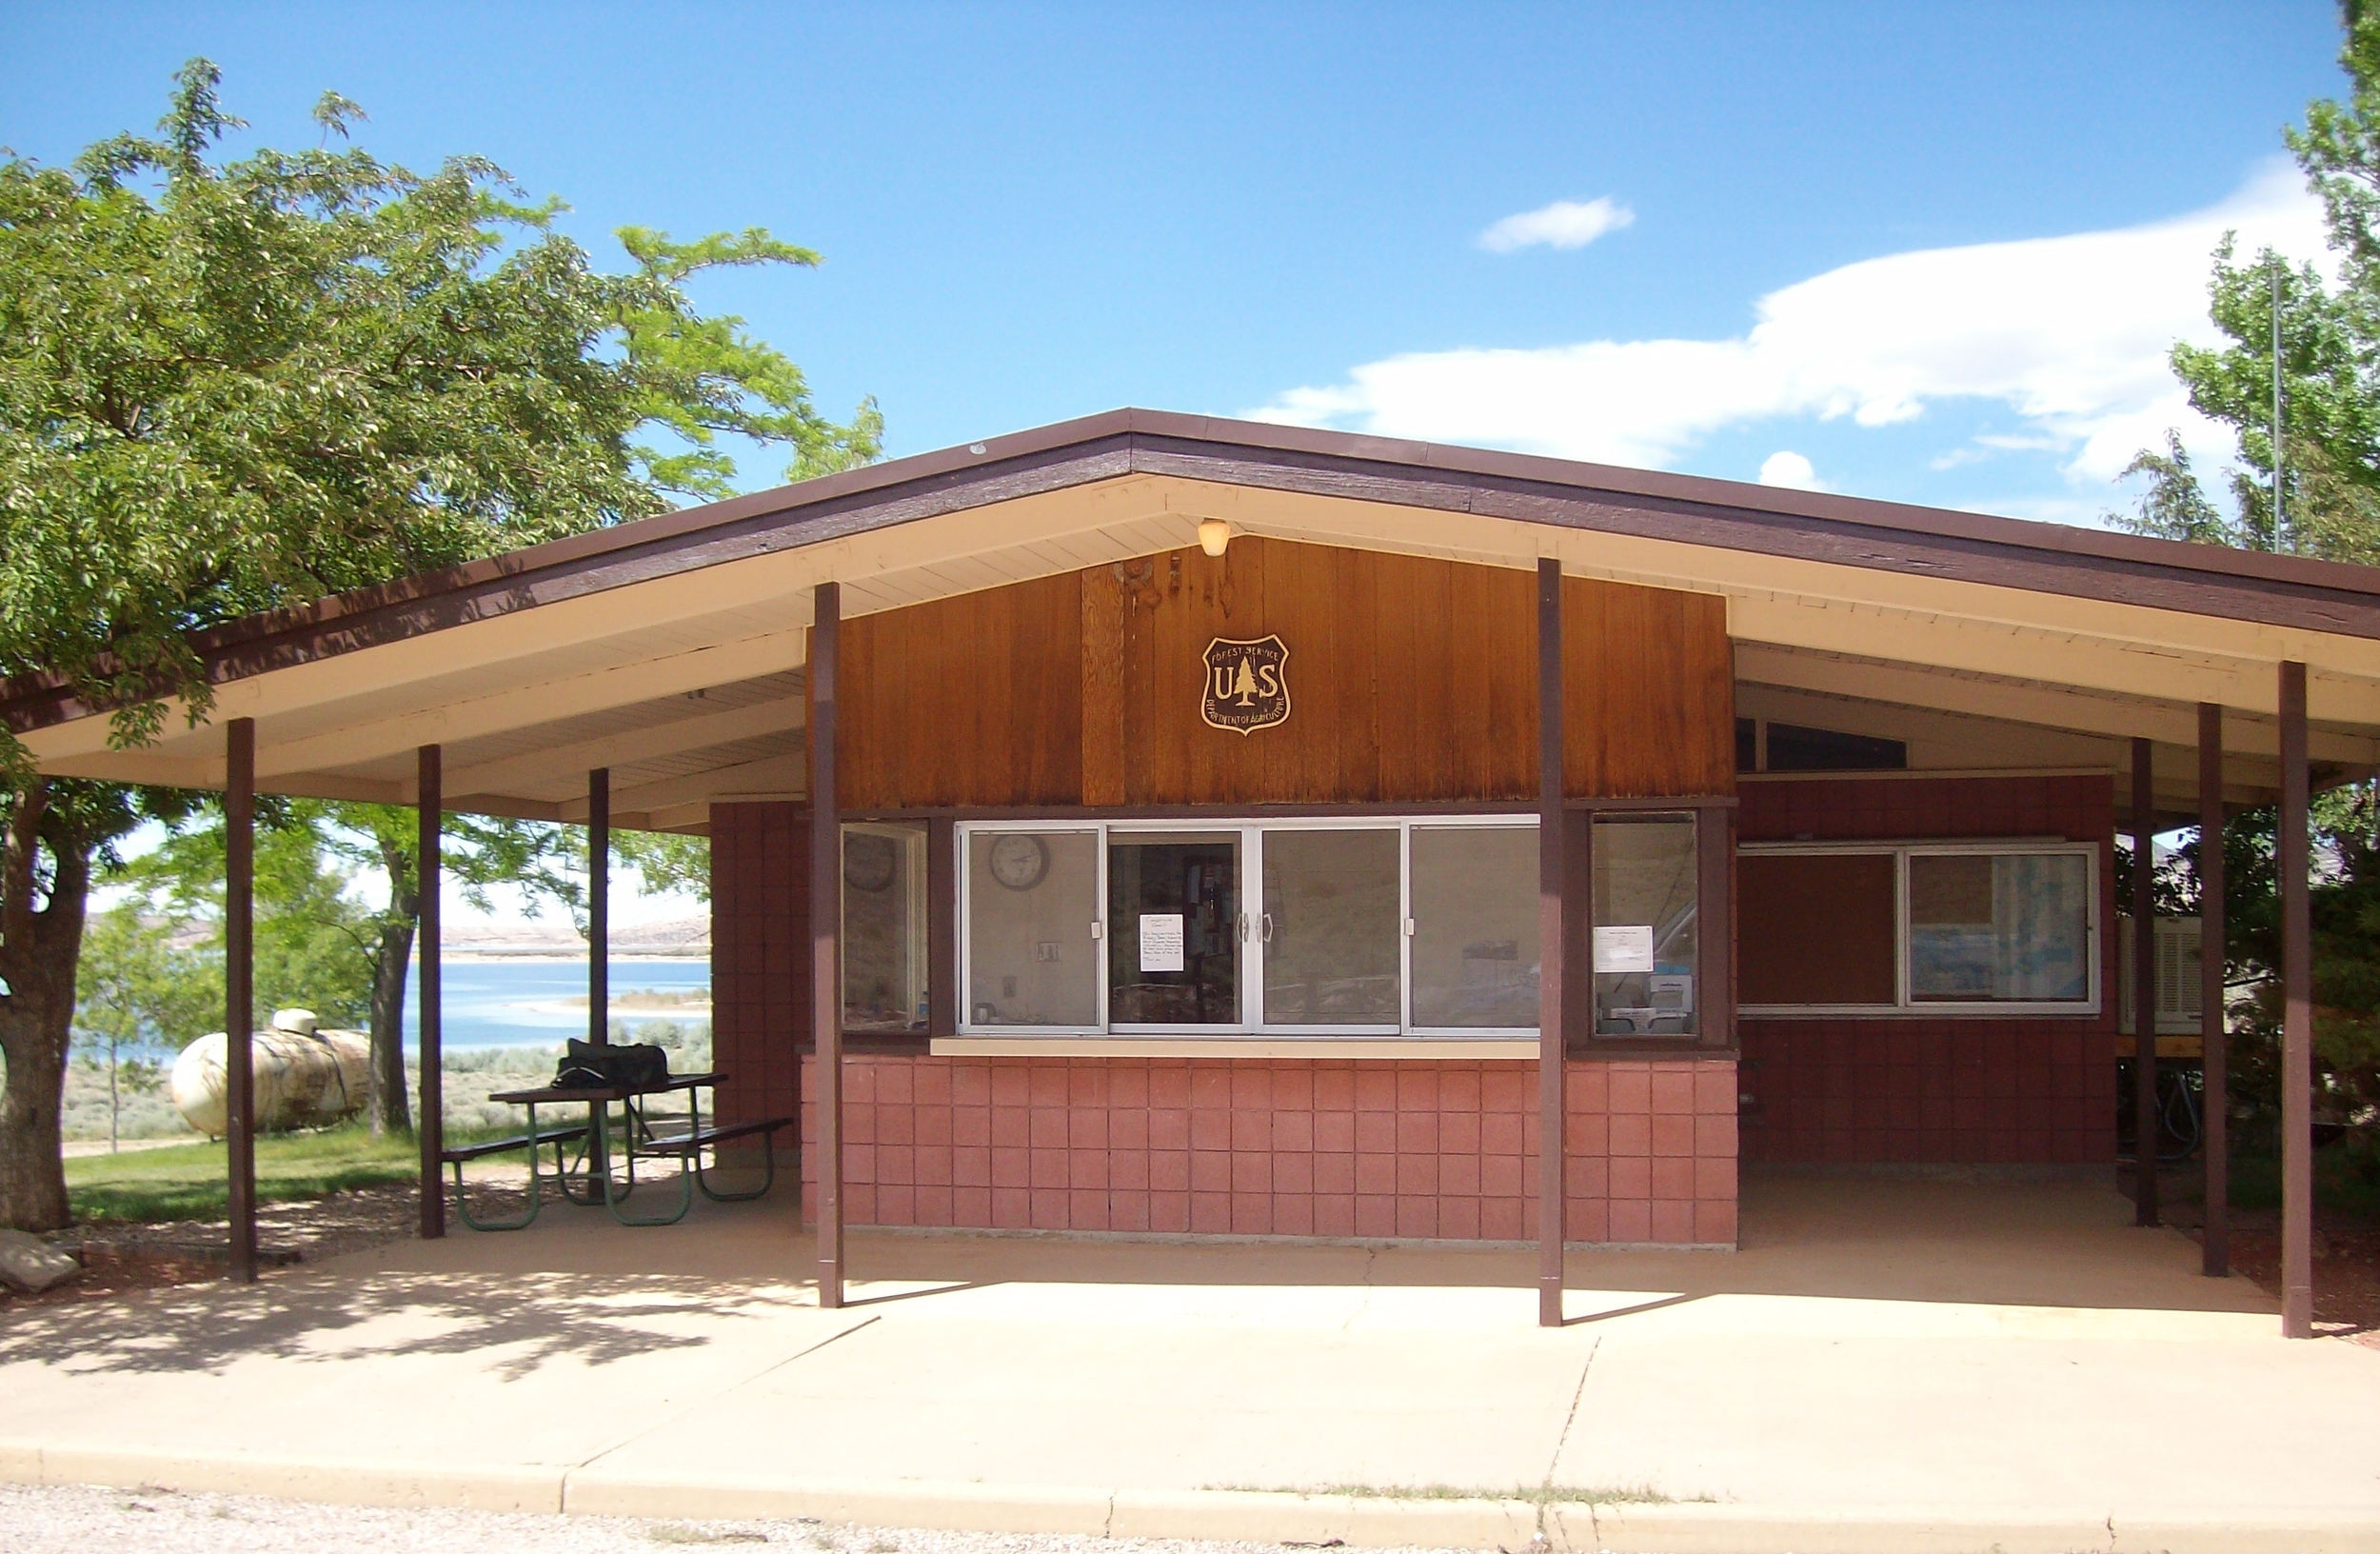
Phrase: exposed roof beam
(629, 746)
(775, 777)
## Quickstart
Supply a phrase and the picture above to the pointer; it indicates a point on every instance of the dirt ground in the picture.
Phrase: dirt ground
(119, 1258)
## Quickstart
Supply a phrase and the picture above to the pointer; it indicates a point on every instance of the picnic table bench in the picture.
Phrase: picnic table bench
(688, 1146)
(681, 1136)
(459, 1155)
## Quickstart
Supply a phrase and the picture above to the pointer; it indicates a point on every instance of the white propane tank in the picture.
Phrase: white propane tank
(305, 1076)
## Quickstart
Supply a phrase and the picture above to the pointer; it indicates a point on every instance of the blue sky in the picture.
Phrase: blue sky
(1034, 212)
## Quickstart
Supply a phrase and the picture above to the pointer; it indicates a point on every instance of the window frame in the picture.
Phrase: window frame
(1251, 1026)
(917, 840)
(1905, 1004)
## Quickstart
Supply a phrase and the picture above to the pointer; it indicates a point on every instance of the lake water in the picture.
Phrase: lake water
(523, 1003)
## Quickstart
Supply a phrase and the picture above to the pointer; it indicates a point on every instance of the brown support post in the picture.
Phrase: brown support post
(2144, 986)
(429, 804)
(941, 927)
(239, 989)
(827, 938)
(599, 906)
(1714, 974)
(2297, 1024)
(2213, 1044)
(1550, 859)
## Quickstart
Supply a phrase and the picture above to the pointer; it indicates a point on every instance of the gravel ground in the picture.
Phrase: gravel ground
(77, 1520)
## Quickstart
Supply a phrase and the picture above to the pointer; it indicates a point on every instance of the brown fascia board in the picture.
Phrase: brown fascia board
(1691, 510)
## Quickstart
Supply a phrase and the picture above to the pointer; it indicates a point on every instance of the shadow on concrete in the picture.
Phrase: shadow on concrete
(2055, 1244)
(514, 1323)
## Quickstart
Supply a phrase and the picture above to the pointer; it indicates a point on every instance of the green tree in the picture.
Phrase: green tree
(2330, 460)
(227, 386)
(141, 994)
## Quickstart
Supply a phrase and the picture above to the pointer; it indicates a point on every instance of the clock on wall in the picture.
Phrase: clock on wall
(1017, 861)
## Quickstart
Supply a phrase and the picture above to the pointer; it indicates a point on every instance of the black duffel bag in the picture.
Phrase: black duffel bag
(623, 1066)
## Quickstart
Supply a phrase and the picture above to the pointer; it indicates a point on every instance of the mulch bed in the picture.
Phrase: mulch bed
(2347, 1273)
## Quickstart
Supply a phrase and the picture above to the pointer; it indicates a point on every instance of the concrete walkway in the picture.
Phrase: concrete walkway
(1895, 1367)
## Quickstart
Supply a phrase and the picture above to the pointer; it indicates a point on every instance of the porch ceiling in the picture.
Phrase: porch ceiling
(672, 651)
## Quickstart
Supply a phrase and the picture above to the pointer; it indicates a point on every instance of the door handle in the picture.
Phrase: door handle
(1268, 928)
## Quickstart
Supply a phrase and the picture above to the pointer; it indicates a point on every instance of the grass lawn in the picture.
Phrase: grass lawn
(190, 1180)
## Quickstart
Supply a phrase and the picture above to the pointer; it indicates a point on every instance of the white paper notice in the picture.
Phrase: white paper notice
(1623, 947)
(1160, 941)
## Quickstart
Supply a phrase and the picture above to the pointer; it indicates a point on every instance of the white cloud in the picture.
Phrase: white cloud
(2071, 333)
(1789, 468)
(1565, 223)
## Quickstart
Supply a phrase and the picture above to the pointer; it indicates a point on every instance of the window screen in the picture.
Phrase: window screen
(1999, 927)
(1474, 925)
(1032, 910)
(1819, 928)
(884, 928)
(1646, 942)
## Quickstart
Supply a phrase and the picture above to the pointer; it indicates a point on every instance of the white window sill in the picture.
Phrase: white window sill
(1450, 1049)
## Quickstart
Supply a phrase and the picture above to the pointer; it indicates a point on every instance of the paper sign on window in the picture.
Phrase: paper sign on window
(1623, 947)
(1160, 941)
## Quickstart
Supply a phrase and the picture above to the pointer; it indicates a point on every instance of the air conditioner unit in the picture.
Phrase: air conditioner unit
(2178, 987)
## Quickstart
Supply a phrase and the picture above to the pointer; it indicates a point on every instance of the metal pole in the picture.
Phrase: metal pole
(239, 989)
(2297, 1023)
(2278, 530)
(826, 940)
(1551, 819)
(2144, 986)
(599, 906)
(2215, 1055)
(429, 804)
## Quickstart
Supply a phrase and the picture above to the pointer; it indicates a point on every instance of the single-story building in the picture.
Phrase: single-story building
(1244, 830)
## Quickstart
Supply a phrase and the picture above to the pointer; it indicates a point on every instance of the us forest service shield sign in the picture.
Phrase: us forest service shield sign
(1247, 684)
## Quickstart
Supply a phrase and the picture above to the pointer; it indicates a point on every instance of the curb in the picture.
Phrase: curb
(1215, 1514)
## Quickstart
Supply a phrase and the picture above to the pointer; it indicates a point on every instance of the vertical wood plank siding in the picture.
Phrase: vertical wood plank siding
(1410, 679)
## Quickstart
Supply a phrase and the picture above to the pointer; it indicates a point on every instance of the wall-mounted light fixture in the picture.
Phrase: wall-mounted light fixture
(1214, 536)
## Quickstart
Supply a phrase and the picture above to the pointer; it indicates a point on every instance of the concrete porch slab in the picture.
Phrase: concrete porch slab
(1892, 1365)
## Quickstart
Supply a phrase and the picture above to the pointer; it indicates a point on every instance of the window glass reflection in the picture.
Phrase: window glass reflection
(1474, 925)
(1331, 927)
(1032, 905)
(1646, 943)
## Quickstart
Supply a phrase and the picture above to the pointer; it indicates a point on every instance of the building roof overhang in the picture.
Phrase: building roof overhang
(671, 650)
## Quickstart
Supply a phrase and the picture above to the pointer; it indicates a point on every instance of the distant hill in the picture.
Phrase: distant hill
(676, 936)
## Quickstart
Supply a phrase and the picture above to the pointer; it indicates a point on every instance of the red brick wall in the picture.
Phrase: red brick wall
(760, 956)
(1286, 1146)
(1937, 1088)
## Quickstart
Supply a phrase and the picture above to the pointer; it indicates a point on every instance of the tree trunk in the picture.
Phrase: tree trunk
(39, 954)
(388, 1106)
(388, 1109)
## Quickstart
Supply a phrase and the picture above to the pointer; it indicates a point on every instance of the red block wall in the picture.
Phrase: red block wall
(760, 957)
(1284, 1146)
(2036, 1090)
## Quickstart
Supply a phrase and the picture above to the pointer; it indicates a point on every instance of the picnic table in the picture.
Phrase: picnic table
(590, 1178)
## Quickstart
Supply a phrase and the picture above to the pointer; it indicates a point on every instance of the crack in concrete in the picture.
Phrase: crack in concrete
(694, 1403)
(1545, 1490)
(1371, 1257)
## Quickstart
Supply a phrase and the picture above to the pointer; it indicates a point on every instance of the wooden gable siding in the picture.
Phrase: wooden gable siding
(1410, 680)
(971, 700)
